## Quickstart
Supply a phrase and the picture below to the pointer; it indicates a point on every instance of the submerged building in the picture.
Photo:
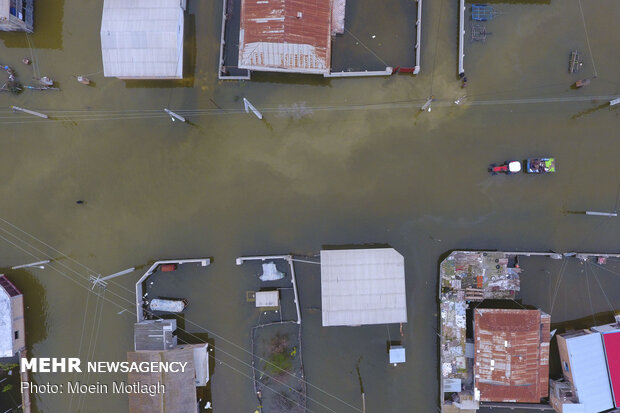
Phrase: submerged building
(511, 355)
(286, 36)
(12, 327)
(142, 39)
(491, 354)
(17, 15)
(590, 362)
(363, 286)
(494, 351)
(297, 36)
(156, 341)
(12, 345)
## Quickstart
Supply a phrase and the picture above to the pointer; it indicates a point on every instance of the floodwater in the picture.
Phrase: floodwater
(336, 169)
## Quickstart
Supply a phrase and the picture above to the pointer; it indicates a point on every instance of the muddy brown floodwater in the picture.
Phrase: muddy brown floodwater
(335, 171)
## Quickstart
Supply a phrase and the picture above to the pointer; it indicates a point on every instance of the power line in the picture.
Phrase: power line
(188, 321)
(103, 115)
(611, 307)
(585, 29)
(191, 334)
(132, 303)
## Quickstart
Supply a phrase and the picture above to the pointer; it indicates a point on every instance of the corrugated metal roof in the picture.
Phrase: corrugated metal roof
(180, 394)
(285, 35)
(612, 352)
(589, 371)
(511, 360)
(142, 39)
(363, 286)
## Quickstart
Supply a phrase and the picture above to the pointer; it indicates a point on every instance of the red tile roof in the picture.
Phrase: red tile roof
(511, 361)
(612, 352)
(286, 35)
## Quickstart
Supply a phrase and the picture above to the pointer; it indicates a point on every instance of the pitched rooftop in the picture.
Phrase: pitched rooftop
(285, 35)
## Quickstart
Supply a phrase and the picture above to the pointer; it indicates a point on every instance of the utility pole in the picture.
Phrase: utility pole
(30, 112)
(38, 264)
(248, 106)
(101, 281)
(427, 105)
(173, 115)
(602, 214)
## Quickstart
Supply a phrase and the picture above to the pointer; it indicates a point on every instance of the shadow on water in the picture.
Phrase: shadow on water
(555, 368)
(355, 246)
(589, 111)
(48, 24)
(290, 79)
(189, 62)
(185, 337)
(518, 1)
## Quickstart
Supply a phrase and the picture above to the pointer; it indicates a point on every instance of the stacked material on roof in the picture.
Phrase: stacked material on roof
(363, 286)
(338, 12)
(285, 35)
(142, 39)
(511, 360)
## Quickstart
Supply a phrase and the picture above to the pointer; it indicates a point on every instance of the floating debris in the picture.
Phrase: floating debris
(479, 32)
(83, 80)
(46, 81)
(575, 62)
(483, 12)
(270, 272)
(582, 83)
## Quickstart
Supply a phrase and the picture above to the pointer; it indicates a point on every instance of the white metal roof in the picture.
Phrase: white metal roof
(397, 355)
(142, 39)
(267, 299)
(589, 372)
(363, 286)
(6, 325)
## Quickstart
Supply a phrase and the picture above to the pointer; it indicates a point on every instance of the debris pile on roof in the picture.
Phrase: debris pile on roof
(338, 12)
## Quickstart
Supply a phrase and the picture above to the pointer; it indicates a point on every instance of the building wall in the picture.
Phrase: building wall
(13, 23)
(17, 308)
(564, 358)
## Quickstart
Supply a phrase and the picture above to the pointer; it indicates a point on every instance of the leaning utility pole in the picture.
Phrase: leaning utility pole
(101, 281)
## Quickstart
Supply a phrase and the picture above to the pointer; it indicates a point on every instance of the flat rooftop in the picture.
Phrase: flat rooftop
(142, 39)
(363, 286)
